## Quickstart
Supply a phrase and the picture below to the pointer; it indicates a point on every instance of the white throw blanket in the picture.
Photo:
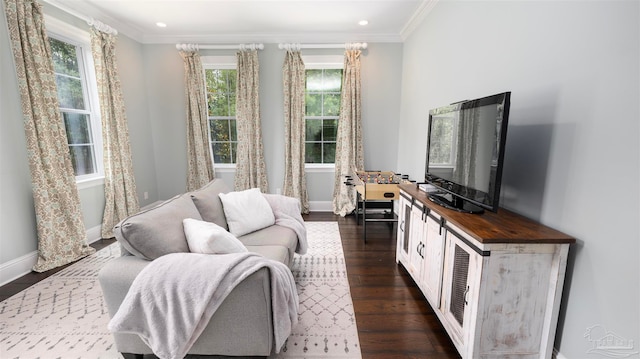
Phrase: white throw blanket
(172, 300)
(287, 212)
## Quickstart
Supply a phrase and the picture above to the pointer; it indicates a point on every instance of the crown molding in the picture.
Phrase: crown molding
(416, 19)
(90, 11)
(271, 38)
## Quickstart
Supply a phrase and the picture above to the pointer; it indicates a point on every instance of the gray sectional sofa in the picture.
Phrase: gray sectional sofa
(242, 325)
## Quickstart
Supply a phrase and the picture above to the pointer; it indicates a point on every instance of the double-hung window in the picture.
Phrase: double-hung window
(322, 108)
(220, 78)
(77, 97)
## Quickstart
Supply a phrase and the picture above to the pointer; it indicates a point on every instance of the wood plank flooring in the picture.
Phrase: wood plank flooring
(394, 319)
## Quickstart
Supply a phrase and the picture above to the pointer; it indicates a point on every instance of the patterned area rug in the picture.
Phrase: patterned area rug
(64, 316)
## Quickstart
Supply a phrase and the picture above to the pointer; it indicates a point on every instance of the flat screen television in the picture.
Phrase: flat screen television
(465, 153)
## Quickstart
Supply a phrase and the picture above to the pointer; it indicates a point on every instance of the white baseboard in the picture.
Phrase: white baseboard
(18, 267)
(320, 206)
(94, 234)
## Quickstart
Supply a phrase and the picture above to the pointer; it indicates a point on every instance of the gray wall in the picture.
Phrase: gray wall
(572, 153)
(17, 219)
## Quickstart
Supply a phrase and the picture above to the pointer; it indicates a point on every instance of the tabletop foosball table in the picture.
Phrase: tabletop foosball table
(375, 191)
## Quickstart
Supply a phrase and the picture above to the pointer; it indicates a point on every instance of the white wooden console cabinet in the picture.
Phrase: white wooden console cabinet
(494, 280)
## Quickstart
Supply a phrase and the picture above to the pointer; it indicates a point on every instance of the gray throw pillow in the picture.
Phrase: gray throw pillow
(208, 203)
(157, 231)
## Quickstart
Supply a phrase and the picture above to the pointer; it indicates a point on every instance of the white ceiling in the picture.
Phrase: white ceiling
(255, 20)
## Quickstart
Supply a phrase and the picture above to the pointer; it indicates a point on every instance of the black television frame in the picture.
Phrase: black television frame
(457, 196)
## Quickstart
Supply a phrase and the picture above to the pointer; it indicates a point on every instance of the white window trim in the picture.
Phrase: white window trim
(319, 167)
(319, 62)
(78, 37)
(322, 62)
(219, 63)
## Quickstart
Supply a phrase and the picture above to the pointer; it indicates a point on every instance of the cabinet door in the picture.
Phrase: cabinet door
(461, 285)
(416, 242)
(433, 259)
(404, 230)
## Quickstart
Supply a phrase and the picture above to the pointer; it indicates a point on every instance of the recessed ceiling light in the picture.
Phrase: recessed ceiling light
(161, 24)
(363, 22)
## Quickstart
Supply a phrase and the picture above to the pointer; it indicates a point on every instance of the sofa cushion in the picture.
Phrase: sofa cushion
(157, 231)
(209, 204)
(276, 253)
(271, 236)
(210, 238)
(246, 211)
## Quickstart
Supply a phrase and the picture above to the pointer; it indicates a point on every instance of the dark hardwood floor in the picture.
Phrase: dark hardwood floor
(394, 319)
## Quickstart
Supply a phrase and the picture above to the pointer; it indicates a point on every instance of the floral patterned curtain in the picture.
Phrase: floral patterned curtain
(250, 167)
(349, 149)
(121, 198)
(60, 228)
(199, 164)
(293, 78)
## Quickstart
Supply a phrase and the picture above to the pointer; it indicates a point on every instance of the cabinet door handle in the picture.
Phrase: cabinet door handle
(402, 226)
(466, 291)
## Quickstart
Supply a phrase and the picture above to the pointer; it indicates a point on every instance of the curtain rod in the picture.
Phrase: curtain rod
(196, 47)
(89, 20)
(348, 46)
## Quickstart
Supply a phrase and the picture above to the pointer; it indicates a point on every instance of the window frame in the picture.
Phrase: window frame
(321, 62)
(218, 63)
(81, 39)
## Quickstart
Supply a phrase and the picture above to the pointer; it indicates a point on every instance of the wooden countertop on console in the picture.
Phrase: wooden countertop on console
(489, 227)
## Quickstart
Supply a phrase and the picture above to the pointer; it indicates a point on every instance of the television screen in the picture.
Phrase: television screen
(465, 152)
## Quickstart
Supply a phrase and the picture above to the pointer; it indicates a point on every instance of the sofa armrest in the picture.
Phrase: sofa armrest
(242, 325)
(116, 278)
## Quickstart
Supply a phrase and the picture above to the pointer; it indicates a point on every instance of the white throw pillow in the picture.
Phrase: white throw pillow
(210, 238)
(246, 211)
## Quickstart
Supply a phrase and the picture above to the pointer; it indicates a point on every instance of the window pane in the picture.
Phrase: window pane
(78, 128)
(231, 80)
(231, 98)
(234, 131)
(216, 80)
(313, 130)
(220, 130)
(217, 103)
(82, 159)
(65, 58)
(70, 92)
(313, 105)
(332, 80)
(329, 130)
(222, 152)
(313, 152)
(331, 104)
(329, 153)
(314, 80)
(234, 151)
